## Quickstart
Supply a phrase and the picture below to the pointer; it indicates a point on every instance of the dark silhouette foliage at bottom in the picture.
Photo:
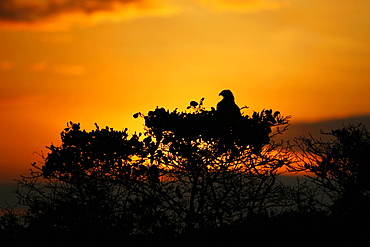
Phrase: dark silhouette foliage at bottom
(192, 180)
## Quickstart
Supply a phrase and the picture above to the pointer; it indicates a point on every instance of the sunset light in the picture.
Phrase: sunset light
(184, 122)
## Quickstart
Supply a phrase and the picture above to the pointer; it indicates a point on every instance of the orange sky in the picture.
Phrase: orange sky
(102, 61)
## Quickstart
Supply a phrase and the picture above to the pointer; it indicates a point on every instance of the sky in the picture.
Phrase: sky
(95, 61)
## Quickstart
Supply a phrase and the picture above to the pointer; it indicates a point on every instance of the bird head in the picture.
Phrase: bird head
(227, 94)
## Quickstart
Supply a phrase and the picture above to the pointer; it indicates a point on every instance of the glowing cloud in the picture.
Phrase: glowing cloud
(75, 70)
(69, 69)
(6, 65)
(61, 14)
(41, 66)
(57, 38)
(243, 5)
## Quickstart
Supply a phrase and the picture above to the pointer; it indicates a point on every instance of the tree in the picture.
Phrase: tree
(215, 174)
(188, 170)
(341, 167)
(75, 189)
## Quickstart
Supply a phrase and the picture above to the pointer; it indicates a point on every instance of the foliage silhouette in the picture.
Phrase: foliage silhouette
(340, 166)
(192, 176)
(100, 154)
(215, 171)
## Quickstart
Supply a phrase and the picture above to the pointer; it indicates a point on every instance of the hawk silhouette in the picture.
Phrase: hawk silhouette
(229, 120)
(227, 110)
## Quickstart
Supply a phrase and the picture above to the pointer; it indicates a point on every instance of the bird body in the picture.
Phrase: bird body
(229, 118)
(226, 108)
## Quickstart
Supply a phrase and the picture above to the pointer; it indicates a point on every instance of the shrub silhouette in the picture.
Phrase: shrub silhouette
(193, 178)
(217, 171)
(99, 154)
(341, 168)
(190, 177)
(188, 172)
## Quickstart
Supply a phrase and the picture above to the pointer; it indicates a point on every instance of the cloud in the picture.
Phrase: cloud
(69, 69)
(6, 65)
(243, 5)
(41, 66)
(57, 38)
(61, 14)
(59, 68)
